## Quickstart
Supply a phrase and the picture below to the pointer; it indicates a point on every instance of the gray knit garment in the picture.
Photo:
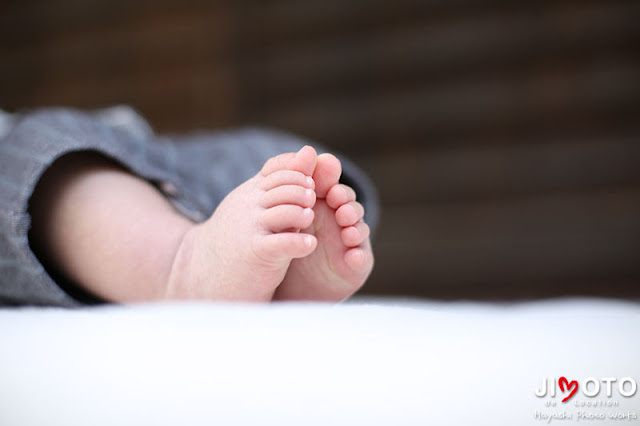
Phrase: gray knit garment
(194, 172)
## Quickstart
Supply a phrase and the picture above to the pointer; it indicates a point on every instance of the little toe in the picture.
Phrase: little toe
(355, 235)
(303, 161)
(350, 213)
(289, 194)
(287, 217)
(359, 259)
(327, 173)
(340, 194)
(285, 245)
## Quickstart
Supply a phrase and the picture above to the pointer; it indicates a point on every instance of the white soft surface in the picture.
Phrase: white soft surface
(311, 364)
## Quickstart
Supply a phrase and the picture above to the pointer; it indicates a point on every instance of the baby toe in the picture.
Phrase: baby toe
(359, 259)
(355, 235)
(289, 194)
(350, 213)
(340, 194)
(287, 217)
(285, 245)
(286, 177)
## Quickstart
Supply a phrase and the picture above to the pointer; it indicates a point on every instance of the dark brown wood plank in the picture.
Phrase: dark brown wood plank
(24, 22)
(537, 99)
(291, 21)
(486, 171)
(518, 242)
(426, 49)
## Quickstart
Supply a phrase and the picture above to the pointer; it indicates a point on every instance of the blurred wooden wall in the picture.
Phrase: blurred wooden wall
(503, 136)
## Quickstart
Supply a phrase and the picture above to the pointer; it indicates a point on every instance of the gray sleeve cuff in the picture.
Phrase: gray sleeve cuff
(31, 143)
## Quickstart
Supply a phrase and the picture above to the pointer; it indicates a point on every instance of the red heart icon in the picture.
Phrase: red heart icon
(569, 384)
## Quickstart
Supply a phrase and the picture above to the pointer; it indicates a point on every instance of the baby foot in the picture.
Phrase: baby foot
(243, 251)
(343, 258)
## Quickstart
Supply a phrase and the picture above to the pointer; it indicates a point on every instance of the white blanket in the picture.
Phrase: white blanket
(379, 363)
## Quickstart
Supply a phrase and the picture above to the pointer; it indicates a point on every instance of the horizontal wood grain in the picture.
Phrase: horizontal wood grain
(502, 136)
(478, 171)
(474, 102)
(520, 242)
(425, 49)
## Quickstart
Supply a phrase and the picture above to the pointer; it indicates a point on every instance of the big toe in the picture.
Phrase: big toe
(327, 173)
(303, 161)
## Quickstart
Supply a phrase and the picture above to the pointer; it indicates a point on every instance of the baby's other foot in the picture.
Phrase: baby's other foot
(343, 259)
(243, 251)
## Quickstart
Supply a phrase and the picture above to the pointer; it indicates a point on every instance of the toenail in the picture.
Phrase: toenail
(310, 181)
(307, 211)
(308, 240)
(308, 193)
